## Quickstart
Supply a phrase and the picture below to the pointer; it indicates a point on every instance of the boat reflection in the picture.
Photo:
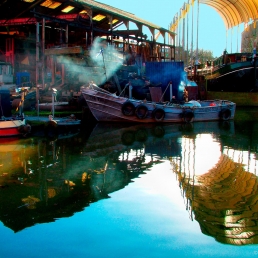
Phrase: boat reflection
(215, 163)
(42, 180)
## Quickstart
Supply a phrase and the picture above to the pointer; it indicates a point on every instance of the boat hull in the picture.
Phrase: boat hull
(10, 128)
(236, 77)
(235, 81)
(109, 108)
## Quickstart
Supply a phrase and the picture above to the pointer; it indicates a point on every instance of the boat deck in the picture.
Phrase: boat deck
(59, 120)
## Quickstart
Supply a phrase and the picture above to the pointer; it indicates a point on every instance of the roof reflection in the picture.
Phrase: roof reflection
(223, 199)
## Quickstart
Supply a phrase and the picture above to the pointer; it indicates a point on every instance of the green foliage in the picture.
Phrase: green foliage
(202, 55)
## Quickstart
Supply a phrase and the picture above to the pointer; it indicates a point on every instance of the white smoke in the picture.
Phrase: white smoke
(101, 64)
(107, 58)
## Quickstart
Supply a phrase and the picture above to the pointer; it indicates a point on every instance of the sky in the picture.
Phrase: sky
(211, 30)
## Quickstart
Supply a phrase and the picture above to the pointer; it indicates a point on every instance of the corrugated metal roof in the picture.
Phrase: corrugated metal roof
(21, 9)
(120, 13)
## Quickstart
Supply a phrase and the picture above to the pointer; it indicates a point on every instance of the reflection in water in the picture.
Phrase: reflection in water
(215, 164)
(223, 199)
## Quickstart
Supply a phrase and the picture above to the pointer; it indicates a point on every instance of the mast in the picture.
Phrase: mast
(197, 32)
(104, 65)
(192, 39)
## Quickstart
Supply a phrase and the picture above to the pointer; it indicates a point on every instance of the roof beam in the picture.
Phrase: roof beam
(21, 21)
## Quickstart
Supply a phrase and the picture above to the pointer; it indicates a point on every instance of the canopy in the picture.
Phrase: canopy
(234, 12)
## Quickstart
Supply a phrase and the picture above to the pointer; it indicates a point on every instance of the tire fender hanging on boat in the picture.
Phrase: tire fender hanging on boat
(24, 129)
(128, 108)
(225, 114)
(158, 114)
(141, 111)
(188, 116)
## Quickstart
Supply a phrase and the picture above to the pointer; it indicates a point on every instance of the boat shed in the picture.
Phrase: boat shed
(34, 32)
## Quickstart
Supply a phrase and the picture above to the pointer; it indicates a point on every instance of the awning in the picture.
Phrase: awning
(234, 12)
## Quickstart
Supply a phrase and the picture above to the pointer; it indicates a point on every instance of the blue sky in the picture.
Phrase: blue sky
(212, 31)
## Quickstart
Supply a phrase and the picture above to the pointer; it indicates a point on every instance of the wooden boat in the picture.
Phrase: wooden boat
(109, 107)
(13, 127)
(52, 126)
(55, 127)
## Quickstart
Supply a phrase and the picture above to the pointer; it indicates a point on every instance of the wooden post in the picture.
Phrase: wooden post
(43, 53)
(255, 72)
(153, 45)
(63, 74)
(37, 62)
(110, 18)
(164, 47)
(53, 70)
(66, 35)
(91, 33)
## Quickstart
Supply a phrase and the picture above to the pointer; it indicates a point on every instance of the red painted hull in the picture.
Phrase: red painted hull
(5, 132)
(12, 128)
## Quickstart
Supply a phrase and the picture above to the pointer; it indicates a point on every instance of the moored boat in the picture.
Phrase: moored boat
(55, 127)
(13, 127)
(234, 77)
(112, 108)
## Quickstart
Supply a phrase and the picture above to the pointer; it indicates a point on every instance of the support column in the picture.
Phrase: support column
(164, 44)
(66, 35)
(61, 35)
(89, 12)
(255, 72)
(9, 48)
(37, 63)
(90, 34)
(139, 50)
(86, 39)
(53, 70)
(43, 53)
(127, 36)
(153, 43)
(63, 74)
(110, 18)
(164, 47)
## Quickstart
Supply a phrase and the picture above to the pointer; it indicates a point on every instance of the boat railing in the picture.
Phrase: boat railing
(97, 88)
(12, 118)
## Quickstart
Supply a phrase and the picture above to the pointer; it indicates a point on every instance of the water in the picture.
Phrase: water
(185, 190)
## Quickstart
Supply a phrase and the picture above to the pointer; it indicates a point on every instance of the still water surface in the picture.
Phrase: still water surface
(133, 191)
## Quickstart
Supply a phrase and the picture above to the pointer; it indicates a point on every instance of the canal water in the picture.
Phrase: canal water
(122, 190)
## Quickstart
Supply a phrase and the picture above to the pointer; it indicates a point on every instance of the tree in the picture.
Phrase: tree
(202, 56)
